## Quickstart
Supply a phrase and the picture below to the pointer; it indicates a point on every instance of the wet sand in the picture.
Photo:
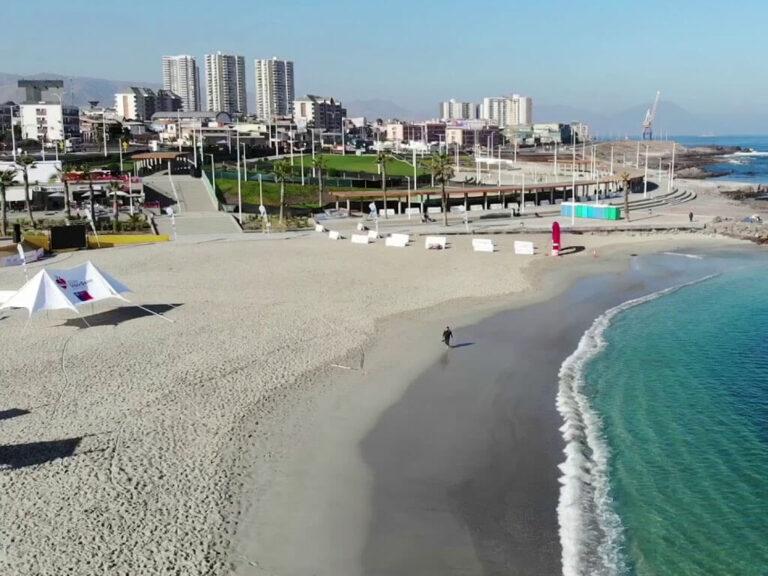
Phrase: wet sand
(433, 461)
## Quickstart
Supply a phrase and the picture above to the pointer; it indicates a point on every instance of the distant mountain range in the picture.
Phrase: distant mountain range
(670, 119)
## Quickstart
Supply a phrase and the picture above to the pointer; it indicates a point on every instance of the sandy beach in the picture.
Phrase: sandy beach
(139, 446)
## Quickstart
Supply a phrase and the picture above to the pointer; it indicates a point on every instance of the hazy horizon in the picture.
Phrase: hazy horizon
(603, 56)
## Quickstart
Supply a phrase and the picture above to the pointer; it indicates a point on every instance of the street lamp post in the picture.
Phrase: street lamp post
(213, 173)
(239, 183)
(312, 132)
(645, 177)
(13, 131)
(408, 208)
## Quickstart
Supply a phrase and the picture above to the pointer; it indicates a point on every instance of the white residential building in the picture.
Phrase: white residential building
(318, 112)
(453, 110)
(46, 122)
(225, 83)
(274, 88)
(508, 110)
(181, 76)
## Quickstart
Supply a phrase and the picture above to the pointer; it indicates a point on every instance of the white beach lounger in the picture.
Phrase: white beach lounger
(483, 245)
(435, 242)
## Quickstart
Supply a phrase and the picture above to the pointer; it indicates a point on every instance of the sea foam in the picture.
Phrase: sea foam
(591, 533)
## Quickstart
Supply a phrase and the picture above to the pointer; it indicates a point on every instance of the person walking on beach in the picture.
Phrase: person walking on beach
(690, 217)
(447, 335)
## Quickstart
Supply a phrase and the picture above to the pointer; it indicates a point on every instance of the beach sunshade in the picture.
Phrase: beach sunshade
(40, 293)
(87, 284)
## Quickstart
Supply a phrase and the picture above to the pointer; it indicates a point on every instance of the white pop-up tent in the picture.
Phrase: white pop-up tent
(86, 284)
(54, 289)
(40, 293)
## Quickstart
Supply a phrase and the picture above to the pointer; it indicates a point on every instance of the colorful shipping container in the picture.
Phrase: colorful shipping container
(595, 211)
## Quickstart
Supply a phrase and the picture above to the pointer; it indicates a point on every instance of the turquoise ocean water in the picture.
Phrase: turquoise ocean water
(666, 422)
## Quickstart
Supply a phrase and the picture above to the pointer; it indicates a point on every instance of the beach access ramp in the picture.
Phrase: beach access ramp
(196, 211)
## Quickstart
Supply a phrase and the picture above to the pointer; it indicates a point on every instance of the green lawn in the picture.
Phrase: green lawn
(366, 163)
(295, 194)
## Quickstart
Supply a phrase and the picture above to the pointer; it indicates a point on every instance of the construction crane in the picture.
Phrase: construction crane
(650, 116)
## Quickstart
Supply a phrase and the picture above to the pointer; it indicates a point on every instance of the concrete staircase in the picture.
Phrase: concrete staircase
(196, 211)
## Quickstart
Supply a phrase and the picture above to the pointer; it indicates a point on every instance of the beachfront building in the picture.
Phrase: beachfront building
(318, 112)
(47, 122)
(454, 110)
(141, 103)
(181, 76)
(274, 89)
(225, 83)
(9, 115)
(469, 136)
(425, 132)
(506, 111)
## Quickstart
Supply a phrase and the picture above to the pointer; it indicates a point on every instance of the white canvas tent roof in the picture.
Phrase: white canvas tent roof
(40, 293)
(54, 289)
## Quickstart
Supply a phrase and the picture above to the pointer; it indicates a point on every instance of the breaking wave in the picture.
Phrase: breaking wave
(591, 532)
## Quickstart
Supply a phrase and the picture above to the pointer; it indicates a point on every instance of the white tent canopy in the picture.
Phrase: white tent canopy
(68, 289)
(40, 293)
(85, 284)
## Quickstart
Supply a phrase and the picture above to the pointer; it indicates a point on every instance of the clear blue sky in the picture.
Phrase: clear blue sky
(601, 55)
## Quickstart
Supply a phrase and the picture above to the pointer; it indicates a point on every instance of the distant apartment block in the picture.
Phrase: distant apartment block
(274, 88)
(140, 103)
(225, 83)
(181, 76)
(427, 132)
(453, 110)
(466, 137)
(9, 114)
(506, 111)
(46, 122)
(318, 112)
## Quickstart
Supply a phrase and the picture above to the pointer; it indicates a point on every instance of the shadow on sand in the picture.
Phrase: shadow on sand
(12, 413)
(571, 250)
(120, 315)
(33, 453)
(462, 344)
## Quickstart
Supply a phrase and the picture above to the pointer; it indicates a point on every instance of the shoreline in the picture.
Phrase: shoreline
(128, 445)
(332, 402)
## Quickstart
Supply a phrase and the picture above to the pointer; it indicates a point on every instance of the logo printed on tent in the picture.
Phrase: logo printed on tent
(61, 282)
(83, 296)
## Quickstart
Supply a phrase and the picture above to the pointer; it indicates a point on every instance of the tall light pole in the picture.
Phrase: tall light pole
(573, 187)
(645, 177)
(611, 160)
(301, 158)
(555, 169)
(213, 173)
(312, 133)
(408, 209)
(103, 128)
(239, 183)
(13, 130)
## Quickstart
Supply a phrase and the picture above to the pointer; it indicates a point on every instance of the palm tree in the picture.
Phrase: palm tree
(625, 180)
(62, 175)
(382, 158)
(320, 164)
(282, 170)
(25, 163)
(88, 173)
(441, 167)
(6, 179)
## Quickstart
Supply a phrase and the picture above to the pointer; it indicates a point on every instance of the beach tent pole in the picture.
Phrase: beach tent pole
(150, 311)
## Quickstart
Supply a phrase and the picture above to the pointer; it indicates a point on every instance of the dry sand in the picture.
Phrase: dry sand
(122, 446)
